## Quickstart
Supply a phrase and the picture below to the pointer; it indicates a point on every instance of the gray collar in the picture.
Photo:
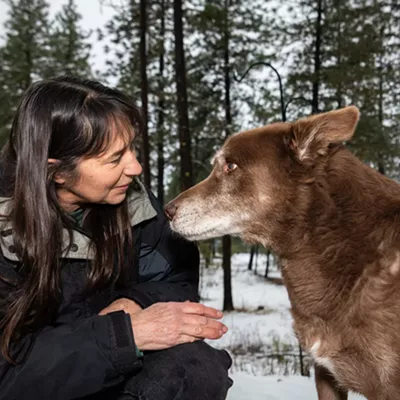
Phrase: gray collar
(140, 209)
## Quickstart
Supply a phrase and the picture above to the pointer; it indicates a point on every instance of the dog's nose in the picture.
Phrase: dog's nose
(170, 210)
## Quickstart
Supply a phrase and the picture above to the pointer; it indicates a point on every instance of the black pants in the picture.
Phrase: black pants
(194, 371)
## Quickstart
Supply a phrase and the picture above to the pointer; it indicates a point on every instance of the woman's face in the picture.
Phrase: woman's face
(102, 179)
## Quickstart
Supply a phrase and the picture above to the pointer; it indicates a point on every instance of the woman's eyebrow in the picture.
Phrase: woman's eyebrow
(117, 153)
(120, 151)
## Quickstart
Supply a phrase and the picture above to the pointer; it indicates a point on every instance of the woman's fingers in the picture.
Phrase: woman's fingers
(111, 308)
(200, 309)
(204, 332)
(201, 320)
(123, 304)
(188, 339)
(164, 325)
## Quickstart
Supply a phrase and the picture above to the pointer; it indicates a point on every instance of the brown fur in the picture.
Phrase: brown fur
(334, 222)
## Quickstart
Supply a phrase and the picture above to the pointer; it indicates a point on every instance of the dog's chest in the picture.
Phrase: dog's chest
(320, 359)
(322, 342)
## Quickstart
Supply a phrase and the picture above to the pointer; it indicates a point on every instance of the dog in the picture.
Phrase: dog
(334, 222)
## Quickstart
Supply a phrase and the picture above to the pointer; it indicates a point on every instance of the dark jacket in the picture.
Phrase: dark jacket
(80, 352)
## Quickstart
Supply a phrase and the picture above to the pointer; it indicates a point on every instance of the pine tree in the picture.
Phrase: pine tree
(375, 140)
(225, 37)
(24, 54)
(144, 91)
(248, 26)
(124, 62)
(343, 57)
(160, 124)
(69, 47)
(186, 175)
(123, 53)
(310, 32)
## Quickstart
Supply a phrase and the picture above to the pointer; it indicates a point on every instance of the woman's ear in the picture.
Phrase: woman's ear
(58, 178)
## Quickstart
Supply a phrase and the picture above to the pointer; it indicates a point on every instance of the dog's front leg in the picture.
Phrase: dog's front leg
(327, 387)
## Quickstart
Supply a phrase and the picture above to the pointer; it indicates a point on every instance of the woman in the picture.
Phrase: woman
(95, 291)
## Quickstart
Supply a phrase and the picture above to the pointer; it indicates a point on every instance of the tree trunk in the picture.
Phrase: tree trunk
(145, 157)
(252, 251)
(28, 72)
(161, 106)
(267, 265)
(339, 90)
(226, 264)
(317, 59)
(70, 47)
(226, 247)
(183, 118)
(256, 260)
(381, 164)
(301, 357)
(208, 254)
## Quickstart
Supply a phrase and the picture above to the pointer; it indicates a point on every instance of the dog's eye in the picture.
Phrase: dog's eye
(229, 167)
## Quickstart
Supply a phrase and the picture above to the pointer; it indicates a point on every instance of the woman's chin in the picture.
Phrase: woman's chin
(115, 199)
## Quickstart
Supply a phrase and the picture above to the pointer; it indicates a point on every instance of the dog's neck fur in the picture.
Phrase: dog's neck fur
(325, 222)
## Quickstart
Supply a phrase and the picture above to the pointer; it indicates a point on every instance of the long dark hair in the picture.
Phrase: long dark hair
(66, 119)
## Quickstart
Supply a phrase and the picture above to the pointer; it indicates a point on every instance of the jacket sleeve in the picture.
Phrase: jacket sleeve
(69, 361)
(168, 264)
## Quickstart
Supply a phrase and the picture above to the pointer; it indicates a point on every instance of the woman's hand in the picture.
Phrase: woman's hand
(123, 304)
(165, 325)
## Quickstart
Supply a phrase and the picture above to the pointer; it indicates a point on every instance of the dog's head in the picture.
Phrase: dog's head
(258, 175)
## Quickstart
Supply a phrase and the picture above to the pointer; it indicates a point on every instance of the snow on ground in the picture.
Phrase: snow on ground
(247, 387)
(258, 304)
(261, 323)
(260, 337)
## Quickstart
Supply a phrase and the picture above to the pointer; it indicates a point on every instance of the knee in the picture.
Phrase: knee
(206, 369)
(201, 355)
(194, 371)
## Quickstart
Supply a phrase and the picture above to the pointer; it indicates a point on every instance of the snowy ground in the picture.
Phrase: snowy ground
(260, 337)
(261, 323)
(247, 387)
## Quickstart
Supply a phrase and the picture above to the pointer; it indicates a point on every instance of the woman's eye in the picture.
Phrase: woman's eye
(229, 167)
(117, 160)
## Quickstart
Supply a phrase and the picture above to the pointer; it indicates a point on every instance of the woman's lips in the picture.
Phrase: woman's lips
(122, 186)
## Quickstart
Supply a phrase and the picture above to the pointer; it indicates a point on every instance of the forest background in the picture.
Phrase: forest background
(202, 70)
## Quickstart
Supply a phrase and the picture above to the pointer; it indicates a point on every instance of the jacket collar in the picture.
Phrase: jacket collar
(140, 210)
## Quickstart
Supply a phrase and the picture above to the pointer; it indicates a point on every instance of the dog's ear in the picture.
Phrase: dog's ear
(312, 136)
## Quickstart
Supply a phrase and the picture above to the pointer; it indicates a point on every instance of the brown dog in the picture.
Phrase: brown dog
(334, 222)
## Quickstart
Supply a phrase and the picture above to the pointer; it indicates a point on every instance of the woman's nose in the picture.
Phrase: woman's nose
(133, 167)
